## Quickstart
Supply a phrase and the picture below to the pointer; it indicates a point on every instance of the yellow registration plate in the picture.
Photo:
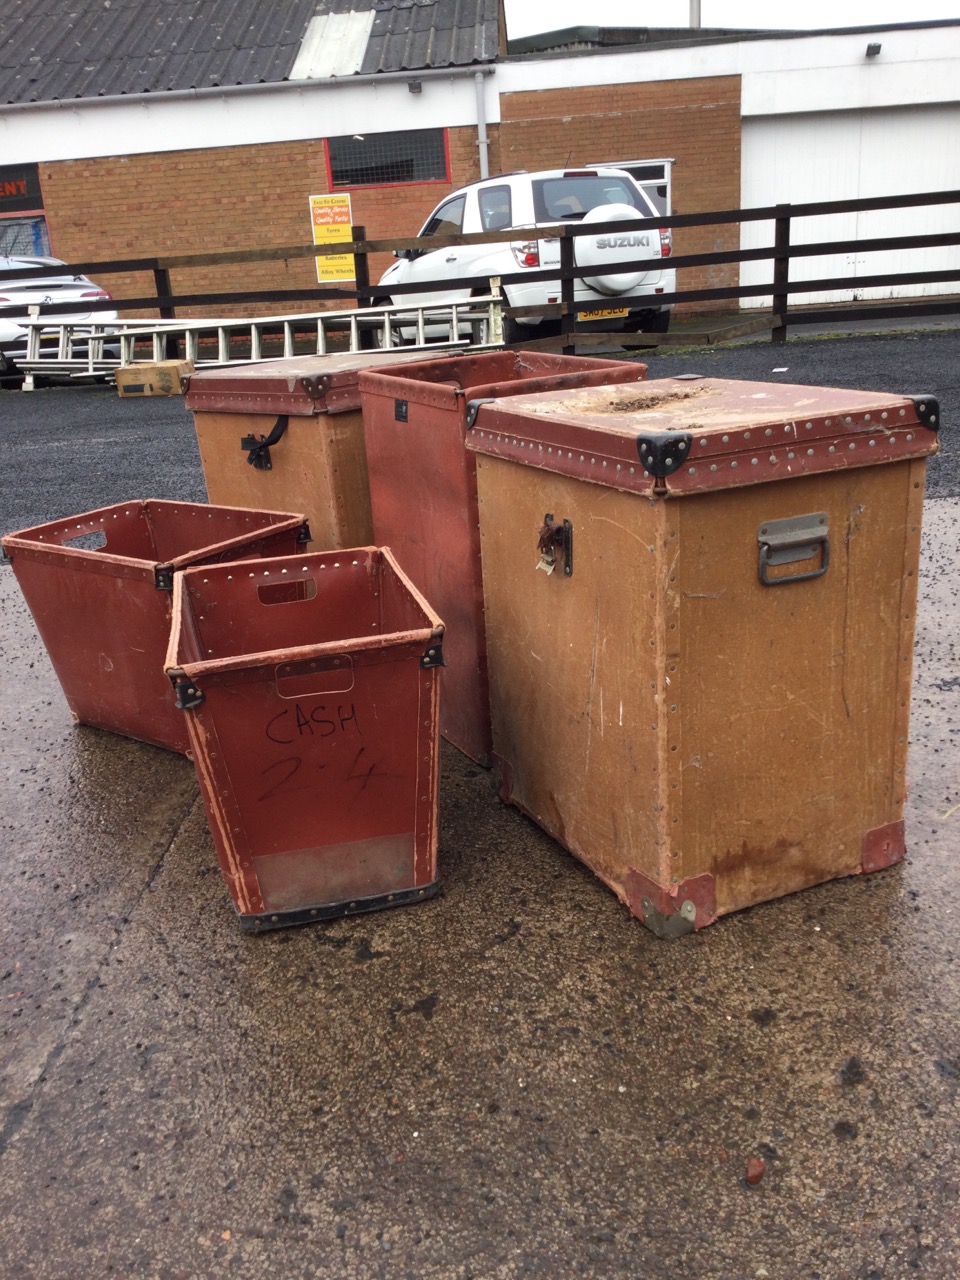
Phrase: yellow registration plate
(602, 315)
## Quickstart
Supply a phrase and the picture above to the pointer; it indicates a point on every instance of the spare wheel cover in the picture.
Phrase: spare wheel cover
(591, 251)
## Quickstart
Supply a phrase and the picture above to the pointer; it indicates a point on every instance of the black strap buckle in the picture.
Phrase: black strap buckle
(257, 448)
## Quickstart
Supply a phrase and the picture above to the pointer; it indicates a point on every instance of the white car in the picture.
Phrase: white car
(525, 202)
(17, 296)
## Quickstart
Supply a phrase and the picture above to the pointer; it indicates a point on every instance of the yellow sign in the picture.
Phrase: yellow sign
(331, 220)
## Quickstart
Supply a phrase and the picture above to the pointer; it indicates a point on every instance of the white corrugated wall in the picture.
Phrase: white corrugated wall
(842, 155)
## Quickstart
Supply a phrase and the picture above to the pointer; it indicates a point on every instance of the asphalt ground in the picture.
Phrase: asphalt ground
(514, 1079)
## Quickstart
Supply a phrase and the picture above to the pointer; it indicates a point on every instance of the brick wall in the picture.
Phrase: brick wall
(222, 199)
(697, 122)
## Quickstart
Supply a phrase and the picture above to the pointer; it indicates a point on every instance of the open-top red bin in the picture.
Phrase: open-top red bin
(99, 586)
(309, 686)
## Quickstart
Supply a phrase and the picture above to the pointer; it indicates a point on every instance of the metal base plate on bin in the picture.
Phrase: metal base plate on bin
(337, 910)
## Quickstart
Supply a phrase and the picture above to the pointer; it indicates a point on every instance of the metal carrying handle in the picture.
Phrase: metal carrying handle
(792, 541)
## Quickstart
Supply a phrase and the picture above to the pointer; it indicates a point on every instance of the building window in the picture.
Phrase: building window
(22, 225)
(378, 159)
(24, 235)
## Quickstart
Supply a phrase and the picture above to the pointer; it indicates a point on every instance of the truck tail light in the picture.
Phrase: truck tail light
(666, 242)
(527, 253)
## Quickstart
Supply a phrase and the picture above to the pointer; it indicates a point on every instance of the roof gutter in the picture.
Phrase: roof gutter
(242, 90)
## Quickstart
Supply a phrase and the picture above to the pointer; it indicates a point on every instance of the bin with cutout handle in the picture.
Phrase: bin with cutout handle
(309, 686)
(98, 586)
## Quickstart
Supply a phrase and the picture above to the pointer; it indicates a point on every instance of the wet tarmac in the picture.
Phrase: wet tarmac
(514, 1079)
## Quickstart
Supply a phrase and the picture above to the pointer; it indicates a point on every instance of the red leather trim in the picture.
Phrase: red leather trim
(883, 847)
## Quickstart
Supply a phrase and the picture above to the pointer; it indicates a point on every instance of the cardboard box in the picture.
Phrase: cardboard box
(164, 378)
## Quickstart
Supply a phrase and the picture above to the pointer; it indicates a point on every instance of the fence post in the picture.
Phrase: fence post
(569, 318)
(161, 280)
(361, 263)
(781, 272)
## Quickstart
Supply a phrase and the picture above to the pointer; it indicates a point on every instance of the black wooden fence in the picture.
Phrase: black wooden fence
(787, 295)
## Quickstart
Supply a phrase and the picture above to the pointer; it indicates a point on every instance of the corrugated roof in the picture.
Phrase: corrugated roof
(412, 34)
(56, 49)
(589, 38)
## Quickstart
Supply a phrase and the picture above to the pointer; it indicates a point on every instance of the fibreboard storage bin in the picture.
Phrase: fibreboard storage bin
(288, 435)
(705, 695)
(99, 587)
(423, 495)
(310, 691)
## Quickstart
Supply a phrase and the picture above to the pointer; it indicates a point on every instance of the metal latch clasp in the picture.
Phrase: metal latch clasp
(555, 542)
(793, 541)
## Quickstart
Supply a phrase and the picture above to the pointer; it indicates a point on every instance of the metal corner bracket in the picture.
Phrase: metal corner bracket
(474, 407)
(188, 695)
(928, 411)
(663, 452)
(669, 925)
(433, 656)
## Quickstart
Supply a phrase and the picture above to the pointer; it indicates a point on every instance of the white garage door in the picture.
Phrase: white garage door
(845, 155)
